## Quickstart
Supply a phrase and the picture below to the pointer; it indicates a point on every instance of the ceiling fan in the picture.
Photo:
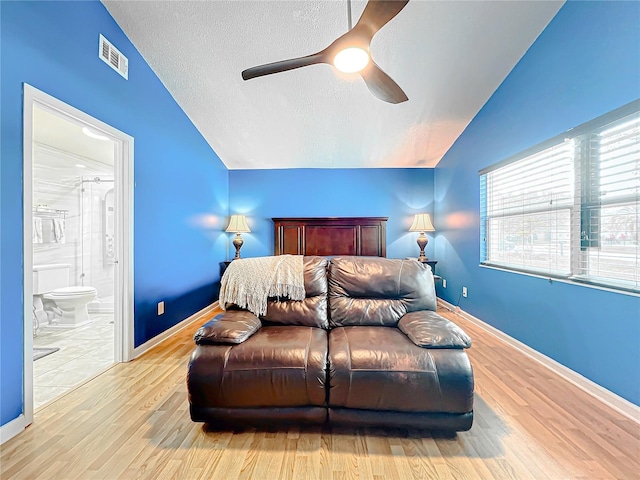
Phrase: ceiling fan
(349, 53)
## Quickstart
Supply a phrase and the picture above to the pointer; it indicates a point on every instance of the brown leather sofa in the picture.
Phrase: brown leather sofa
(364, 348)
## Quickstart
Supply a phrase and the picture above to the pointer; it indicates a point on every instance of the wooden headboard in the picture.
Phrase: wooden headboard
(362, 236)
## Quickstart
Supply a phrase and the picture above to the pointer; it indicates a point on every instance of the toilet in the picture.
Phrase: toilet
(64, 305)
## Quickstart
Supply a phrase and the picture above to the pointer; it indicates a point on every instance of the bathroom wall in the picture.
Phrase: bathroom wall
(57, 184)
(52, 189)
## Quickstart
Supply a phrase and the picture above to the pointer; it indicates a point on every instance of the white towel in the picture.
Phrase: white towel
(58, 230)
(37, 230)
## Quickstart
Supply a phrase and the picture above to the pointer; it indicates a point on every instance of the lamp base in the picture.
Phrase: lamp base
(237, 242)
(422, 243)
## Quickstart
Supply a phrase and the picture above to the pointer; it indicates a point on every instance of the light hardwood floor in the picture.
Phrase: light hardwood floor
(133, 422)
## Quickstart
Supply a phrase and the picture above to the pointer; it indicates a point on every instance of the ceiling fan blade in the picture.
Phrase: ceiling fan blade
(377, 14)
(283, 65)
(382, 85)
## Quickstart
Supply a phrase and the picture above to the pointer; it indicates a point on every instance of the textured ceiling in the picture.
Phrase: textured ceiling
(448, 57)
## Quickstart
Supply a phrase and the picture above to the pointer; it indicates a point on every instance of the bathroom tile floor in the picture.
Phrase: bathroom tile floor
(84, 352)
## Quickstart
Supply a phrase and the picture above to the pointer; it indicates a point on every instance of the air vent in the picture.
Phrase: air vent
(112, 57)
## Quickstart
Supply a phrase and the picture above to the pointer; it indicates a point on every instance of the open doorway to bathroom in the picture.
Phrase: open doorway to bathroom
(73, 254)
(78, 248)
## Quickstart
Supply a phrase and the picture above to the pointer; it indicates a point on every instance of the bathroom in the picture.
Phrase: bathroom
(73, 255)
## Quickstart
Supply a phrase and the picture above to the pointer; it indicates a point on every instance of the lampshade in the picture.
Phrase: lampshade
(422, 223)
(238, 224)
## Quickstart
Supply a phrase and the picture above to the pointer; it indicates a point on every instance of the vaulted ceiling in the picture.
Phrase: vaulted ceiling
(448, 56)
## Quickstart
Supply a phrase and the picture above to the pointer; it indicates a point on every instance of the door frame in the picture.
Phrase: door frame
(124, 185)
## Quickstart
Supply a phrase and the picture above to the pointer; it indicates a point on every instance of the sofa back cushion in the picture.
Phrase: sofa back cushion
(377, 291)
(310, 312)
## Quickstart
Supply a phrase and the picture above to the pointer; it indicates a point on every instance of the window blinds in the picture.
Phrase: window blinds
(528, 211)
(610, 221)
(570, 209)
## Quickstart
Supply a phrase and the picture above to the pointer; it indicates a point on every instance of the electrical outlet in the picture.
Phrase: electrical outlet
(444, 283)
(160, 308)
(464, 292)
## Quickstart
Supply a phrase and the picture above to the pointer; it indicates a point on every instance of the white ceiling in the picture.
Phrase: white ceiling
(448, 57)
(64, 135)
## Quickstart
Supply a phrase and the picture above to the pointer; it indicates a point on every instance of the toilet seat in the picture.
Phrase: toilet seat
(71, 292)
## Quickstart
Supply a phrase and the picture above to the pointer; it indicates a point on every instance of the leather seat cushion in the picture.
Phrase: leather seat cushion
(278, 366)
(379, 368)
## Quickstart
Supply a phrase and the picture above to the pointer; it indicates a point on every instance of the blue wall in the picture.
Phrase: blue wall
(181, 187)
(394, 193)
(584, 64)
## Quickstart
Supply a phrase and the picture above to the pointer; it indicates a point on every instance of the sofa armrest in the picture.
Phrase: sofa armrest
(427, 329)
(230, 327)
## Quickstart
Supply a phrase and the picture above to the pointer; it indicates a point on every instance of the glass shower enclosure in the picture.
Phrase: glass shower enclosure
(97, 224)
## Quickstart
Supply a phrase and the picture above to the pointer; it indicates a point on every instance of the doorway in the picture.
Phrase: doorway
(78, 247)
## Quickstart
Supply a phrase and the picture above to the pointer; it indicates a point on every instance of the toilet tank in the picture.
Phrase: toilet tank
(49, 277)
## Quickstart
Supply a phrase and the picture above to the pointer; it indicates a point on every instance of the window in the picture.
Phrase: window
(569, 208)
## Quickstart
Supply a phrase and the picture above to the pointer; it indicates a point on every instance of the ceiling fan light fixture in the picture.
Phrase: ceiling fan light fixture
(351, 60)
(355, 58)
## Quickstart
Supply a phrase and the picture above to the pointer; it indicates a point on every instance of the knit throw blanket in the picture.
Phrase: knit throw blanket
(249, 282)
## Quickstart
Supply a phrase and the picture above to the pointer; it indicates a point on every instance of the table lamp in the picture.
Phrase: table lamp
(422, 223)
(238, 225)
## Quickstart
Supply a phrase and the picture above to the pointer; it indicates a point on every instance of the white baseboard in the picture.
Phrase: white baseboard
(12, 428)
(607, 397)
(158, 339)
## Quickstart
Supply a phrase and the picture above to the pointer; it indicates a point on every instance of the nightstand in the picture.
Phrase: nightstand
(432, 264)
(223, 267)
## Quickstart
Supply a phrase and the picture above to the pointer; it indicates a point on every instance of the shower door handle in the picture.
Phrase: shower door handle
(115, 262)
